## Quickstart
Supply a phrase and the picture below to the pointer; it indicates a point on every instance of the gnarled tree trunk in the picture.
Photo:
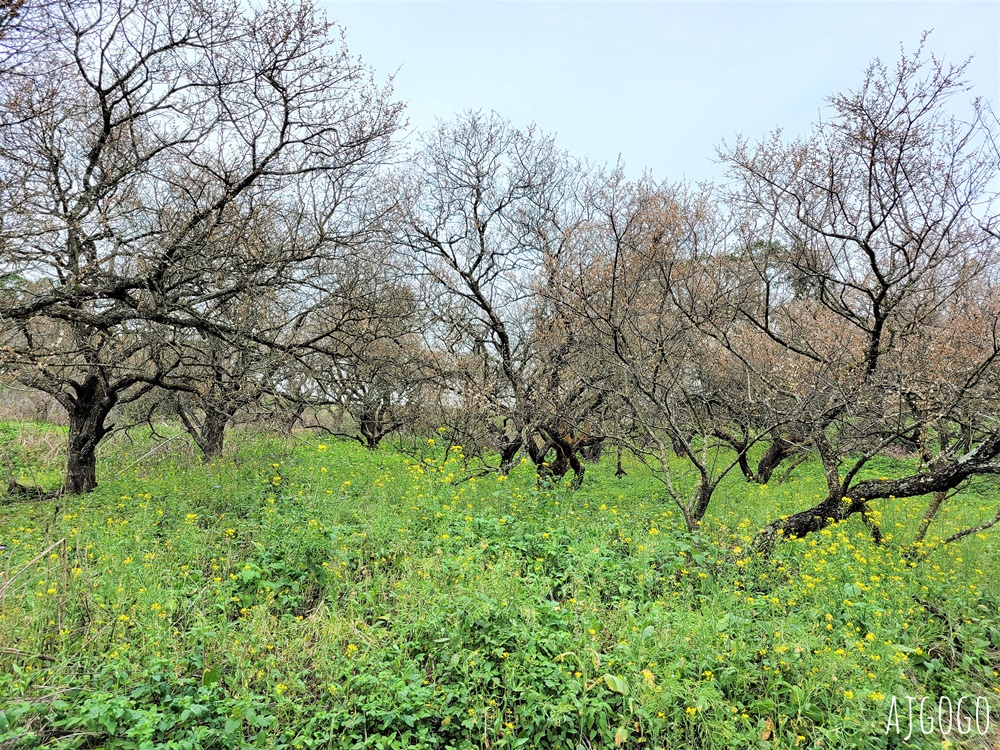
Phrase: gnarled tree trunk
(213, 433)
(210, 433)
(508, 452)
(779, 450)
(841, 502)
(87, 412)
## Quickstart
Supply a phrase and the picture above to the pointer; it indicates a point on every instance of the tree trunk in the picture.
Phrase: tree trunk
(508, 452)
(744, 464)
(840, 503)
(944, 437)
(677, 442)
(86, 429)
(81, 464)
(560, 465)
(537, 453)
(213, 434)
(776, 452)
(293, 417)
(210, 434)
(373, 429)
(702, 497)
(592, 451)
(965, 441)
(932, 509)
(578, 470)
(567, 458)
(740, 446)
(620, 472)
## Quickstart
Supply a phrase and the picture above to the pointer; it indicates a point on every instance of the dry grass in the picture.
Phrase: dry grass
(19, 404)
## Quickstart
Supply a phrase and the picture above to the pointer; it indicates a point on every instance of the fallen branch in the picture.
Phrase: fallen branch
(17, 491)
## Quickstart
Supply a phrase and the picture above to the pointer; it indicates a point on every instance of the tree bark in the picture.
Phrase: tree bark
(213, 434)
(578, 470)
(703, 496)
(89, 409)
(566, 459)
(373, 429)
(81, 463)
(593, 451)
(925, 523)
(293, 417)
(744, 465)
(740, 446)
(537, 454)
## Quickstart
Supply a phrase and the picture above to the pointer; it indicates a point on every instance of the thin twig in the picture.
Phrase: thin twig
(7, 584)
(17, 652)
(151, 452)
(974, 530)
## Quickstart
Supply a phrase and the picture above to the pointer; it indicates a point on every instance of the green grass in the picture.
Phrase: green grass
(296, 595)
(27, 450)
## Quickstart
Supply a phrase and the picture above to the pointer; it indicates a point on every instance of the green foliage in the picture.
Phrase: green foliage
(325, 596)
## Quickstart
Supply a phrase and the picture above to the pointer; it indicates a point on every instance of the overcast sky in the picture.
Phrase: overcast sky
(659, 83)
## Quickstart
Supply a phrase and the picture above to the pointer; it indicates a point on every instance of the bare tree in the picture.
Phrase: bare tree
(125, 146)
(865, 261)
(280, 342)
(219, 377)
(483, 222)
(638, 284)
(370, 366)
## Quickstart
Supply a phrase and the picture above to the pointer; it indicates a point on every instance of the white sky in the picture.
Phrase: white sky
(659, 83)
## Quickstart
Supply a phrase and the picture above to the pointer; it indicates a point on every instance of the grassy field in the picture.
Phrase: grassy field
(305, 594)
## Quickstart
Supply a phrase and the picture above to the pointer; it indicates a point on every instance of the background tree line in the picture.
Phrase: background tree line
(209, 211)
